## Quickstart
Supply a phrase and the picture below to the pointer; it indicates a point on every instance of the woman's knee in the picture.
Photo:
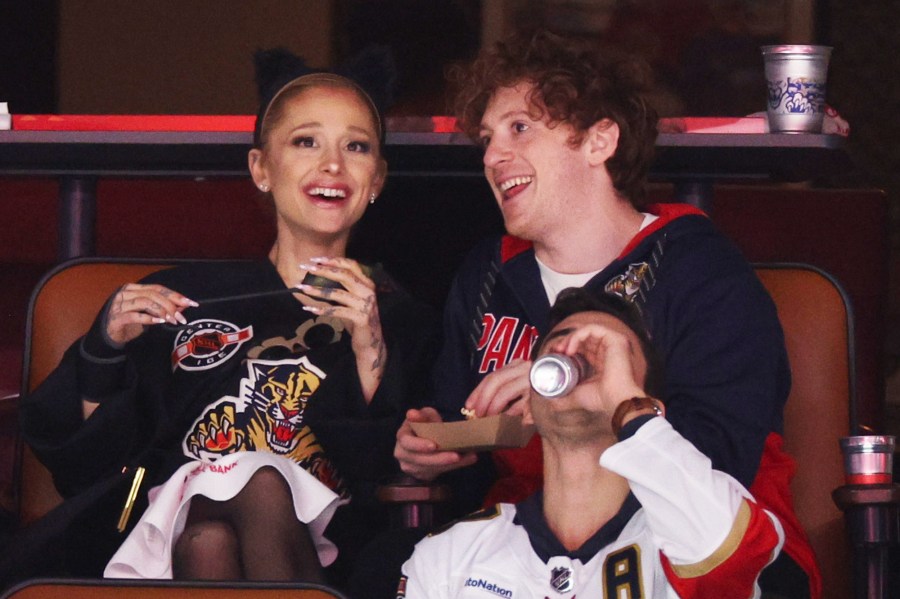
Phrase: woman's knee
(266, 494)
(267, 482)
(207, 549)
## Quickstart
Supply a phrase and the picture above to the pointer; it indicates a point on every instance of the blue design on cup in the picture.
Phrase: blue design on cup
(796, 96)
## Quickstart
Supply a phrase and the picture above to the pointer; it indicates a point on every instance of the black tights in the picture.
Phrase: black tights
(255, 535)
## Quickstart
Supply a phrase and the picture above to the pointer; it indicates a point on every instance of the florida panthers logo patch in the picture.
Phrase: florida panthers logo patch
(206, 343)
(627, 285)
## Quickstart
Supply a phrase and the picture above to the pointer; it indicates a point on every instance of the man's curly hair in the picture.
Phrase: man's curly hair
(575, 82)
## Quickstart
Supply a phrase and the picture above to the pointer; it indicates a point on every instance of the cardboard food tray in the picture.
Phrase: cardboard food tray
(478, 434)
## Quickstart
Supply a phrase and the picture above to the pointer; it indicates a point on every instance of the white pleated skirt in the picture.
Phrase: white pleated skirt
(147, 551)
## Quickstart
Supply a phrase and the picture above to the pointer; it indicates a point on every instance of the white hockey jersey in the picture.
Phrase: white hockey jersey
(686, 531)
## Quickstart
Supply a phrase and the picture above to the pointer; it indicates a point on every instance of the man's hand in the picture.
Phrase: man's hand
(420, 457)
(501, 390)
(616, 360)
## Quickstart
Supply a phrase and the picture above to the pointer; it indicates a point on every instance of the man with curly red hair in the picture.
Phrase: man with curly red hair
(568, 138)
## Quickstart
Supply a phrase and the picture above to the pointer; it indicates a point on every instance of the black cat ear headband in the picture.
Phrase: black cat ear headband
(371, 73)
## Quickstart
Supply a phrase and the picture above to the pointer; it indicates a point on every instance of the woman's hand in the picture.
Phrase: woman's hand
(135, 306)
(356, 306)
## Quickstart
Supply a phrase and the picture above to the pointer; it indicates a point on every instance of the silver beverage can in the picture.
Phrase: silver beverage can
(555, 375)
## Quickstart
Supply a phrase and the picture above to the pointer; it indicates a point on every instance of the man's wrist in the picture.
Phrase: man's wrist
(634, 407)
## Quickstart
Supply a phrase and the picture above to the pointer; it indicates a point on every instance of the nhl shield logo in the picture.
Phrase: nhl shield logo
(561, 579)
(205, 343)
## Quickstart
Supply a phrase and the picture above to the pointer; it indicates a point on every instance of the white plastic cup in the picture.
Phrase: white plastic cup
(868, 459)
(796, 76)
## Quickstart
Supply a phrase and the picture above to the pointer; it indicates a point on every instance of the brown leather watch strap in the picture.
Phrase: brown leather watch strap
(632, 405)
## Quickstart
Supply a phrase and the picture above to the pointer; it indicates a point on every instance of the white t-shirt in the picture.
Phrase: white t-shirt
(554, 281)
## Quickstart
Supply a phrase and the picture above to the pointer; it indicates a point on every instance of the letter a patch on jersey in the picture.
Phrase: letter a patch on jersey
(622, 573)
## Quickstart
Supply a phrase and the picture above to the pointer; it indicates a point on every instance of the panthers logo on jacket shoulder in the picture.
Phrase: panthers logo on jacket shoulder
(627, 284)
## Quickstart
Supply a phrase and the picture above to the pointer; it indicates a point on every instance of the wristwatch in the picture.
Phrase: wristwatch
(632, 405)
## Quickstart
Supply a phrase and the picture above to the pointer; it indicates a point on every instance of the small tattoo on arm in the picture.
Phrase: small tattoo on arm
(378, 363)
(374, 322)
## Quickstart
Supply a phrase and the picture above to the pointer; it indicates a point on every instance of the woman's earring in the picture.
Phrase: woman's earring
(372, 198)
(263, 187)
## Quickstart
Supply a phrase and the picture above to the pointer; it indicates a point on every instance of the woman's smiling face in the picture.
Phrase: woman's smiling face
(322, 161)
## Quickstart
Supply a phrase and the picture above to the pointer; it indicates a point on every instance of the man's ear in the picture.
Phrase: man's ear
(602, 141)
